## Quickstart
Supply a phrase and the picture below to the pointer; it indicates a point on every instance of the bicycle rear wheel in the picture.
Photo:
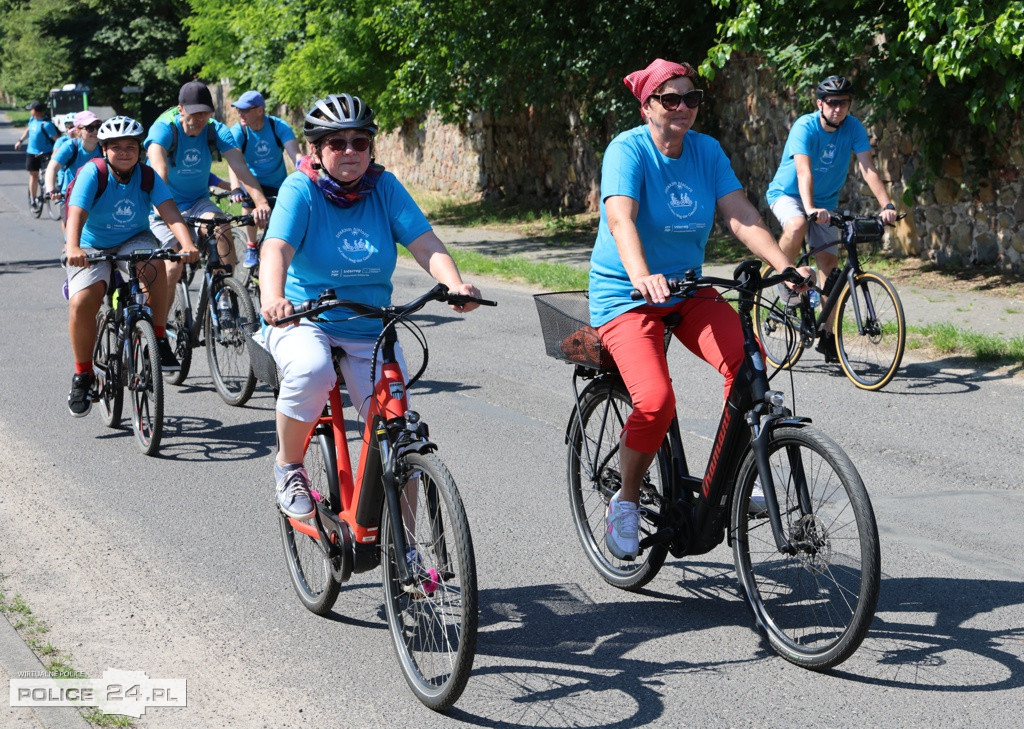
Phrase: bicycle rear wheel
(816, 605)
(35, 205)
(778, 327)
(308, 565)
(226, 348)
(870, 357)
(147, 389)
(179, 335)
(107, 365)
(433, 621)
(594, 477)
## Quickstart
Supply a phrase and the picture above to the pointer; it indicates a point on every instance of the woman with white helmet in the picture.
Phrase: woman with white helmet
(337, 224)
(108, 209)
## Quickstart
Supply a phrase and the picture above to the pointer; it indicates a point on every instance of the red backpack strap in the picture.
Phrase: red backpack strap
(148, 178)
(101, 181)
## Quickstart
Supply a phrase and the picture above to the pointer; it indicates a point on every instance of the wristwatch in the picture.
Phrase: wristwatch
(890, 206)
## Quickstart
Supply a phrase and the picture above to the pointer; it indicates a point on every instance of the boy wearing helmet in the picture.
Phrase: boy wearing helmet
(813, 170)
(337, 224)
(113, 216)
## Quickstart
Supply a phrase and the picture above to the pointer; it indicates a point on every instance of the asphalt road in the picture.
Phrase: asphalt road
(173, 565)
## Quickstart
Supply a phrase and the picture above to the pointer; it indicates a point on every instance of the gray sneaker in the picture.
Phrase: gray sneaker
(293, 496)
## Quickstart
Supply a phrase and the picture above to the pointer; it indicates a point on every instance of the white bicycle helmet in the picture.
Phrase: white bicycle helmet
(121, 127)
(336, 112)
(66, 121)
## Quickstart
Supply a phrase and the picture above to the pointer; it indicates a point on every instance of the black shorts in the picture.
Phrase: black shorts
(36, 162)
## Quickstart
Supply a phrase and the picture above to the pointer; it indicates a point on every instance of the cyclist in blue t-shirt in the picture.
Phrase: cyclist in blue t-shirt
(115, 219)
(187, 173)
(72, 152)
(262, 138)
(335, 225)
(41, 134)
(815, 163)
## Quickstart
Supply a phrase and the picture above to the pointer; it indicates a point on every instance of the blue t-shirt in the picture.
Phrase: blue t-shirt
(121, 212)
(40, 136)
(63, 152)
(677, 210)
(189, 175)
(262, 155)
(830, 158)
(351, 250)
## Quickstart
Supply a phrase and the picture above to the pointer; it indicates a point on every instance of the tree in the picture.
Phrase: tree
(35, 59)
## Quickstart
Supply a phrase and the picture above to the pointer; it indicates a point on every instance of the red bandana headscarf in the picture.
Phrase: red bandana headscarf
(643, 83)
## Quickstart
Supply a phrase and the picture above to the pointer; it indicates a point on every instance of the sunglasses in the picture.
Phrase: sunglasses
(837, 103)
(337, 144)
(671, 102)
(92, 127)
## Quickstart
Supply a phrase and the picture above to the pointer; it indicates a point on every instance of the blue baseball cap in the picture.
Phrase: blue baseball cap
(248, 100)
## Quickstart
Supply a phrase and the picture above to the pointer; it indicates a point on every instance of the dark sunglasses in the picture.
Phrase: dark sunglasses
(671, 102)
(95, 127)
(337, 144)
(837, 103)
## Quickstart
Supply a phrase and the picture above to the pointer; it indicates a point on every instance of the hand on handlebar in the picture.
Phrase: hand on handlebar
(654, 288)
(888, 217)
(189, 254)
(76, 256)
(466, 290)
(819, 215)
(276, 309)
(261, 215)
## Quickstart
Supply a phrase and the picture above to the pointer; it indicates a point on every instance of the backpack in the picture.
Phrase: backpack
(169, 116)
(273, 130)
(148, 180)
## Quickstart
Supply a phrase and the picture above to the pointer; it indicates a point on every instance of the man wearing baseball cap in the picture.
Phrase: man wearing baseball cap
(41, 134)
(181, 151)
(262, 138)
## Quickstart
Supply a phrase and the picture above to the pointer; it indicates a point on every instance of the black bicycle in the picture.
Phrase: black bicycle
(806, 552)
(223, 320)
(126, 353)
(248, 276)
(869, 325)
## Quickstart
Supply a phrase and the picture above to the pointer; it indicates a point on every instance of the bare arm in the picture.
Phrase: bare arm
(157, 157)
(172, 216)
(621, 212)
(241, 173)
(291, 153)
(50, 180)
(433, 257)
(805, 182)
(73, 236)
(746, 224)
(275, 257)
(866, 162)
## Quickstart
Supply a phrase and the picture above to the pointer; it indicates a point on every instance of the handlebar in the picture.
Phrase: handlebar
(143, 254)
(839, 218)
(216, 221)
(743, 279)
(312, 308)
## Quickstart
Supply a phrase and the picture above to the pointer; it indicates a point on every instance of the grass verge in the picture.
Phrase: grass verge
(33, 631)
(950, 339)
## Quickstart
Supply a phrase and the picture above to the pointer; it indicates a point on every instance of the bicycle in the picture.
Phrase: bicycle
(223, 320)
(807, 557)
(249, 277)
(36, 205)
(870, 327)
(402, 510)
(126, 352)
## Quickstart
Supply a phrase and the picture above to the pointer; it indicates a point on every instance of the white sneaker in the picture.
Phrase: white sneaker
(622, 535)
(757, 507)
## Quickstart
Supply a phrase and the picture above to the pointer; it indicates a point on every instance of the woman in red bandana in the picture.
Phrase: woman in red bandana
(337, 223)
(661, 184)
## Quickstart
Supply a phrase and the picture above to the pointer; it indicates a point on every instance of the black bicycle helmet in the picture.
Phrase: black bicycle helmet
(336, 112)
(834, 85)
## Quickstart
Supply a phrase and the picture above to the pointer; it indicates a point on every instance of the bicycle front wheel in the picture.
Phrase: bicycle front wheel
(147, 389)
(107, 364)
(53, 209)
(814, 606)
(433, 620)
(308, 564)
(871, 331)
(35, 205)
(179, 335)
(226, 335)
(595, 476)
(778, 327)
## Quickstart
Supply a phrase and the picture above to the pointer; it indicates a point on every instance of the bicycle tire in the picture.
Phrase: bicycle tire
(107, 366)
(179, 336)
(870, 360)
(433, 623)
(605, 407)
(147, 391)
(778, 327)
(308, 565)
(53, 210)
(226, 347)
(240, 243)
(36, 210)
(816, 606)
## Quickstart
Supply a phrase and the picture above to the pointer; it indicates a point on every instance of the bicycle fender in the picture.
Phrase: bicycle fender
(420, 446)
(791, 420)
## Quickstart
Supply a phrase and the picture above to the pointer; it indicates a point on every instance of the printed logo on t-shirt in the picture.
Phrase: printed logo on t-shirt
(124, 211)
(828, 155)
(354, 244)
(262, 149)
(191, 158)
(680, 199)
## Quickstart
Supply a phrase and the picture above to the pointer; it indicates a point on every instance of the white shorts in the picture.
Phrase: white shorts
(162, 231)
(820, 238)
(303, 354)
(80, 279)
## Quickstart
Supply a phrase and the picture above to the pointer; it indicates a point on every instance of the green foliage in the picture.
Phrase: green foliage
(914, 61)
(35, 58)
